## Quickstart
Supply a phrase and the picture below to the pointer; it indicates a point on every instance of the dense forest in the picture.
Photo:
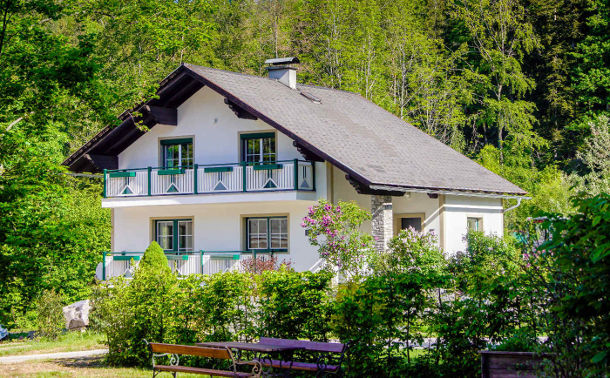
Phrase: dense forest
(521, 86)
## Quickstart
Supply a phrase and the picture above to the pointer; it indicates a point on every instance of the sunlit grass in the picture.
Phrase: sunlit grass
(67, 342)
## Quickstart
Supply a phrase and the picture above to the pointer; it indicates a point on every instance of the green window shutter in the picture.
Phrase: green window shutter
(257, 135)
(168, 142)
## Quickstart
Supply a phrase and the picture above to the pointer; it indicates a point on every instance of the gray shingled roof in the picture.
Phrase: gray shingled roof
(360, 137)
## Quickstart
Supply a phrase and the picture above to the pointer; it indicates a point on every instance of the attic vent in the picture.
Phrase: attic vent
(312, 98)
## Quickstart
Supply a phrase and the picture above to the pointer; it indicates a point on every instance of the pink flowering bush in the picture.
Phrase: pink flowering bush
(412, 251)
(335, 230)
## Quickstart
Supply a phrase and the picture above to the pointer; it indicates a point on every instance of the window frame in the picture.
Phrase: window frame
(175, 234)
(261, 136)
(398, 221)
(479, 220)
(268, 218)
(165, 143)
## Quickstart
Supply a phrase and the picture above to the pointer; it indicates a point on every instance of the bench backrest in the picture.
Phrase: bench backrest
(314, 346)
(222, 353)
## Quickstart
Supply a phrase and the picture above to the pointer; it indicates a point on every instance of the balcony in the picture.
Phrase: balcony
(115, 264)
(296, 175)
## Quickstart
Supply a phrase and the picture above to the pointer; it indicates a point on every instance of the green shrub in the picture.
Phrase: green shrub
(485, 303)
(294, 305)
(226, 307)
(154, 259)
(572, 273)
(381, 317)
(143, 308)
(50, 320)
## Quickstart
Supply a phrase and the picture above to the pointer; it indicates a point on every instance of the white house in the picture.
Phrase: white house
(231, 163)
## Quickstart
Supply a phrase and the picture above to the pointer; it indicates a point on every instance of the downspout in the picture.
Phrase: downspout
(515, 206)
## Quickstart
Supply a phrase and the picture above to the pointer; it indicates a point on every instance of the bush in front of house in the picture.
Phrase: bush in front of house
(158, 307)
(50, 319)
(130, 311)
(294, 305)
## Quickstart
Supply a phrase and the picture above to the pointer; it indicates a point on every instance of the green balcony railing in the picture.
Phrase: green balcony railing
(212, 178)
(116, 264)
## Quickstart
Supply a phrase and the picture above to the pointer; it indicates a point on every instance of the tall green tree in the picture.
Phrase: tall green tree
(497, 37)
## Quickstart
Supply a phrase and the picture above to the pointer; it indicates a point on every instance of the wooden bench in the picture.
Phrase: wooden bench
(329, 356)
(173, 352)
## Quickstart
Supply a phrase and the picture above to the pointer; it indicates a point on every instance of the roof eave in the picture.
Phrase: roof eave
(451, 191)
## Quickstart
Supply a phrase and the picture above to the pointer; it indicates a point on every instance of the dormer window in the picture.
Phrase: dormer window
(177, 153)
(258, 148)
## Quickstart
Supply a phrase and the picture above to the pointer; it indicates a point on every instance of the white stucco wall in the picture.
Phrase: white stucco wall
(216, 227)
(419, 203)
(215, 131)
(342, 190)
(458, 208)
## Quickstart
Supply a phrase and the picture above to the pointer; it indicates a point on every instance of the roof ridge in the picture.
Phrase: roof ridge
(188, 65)
(268, 78)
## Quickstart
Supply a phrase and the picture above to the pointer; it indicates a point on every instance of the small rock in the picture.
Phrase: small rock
(77, 315)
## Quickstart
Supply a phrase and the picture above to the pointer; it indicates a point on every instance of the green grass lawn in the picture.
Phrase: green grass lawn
(80, 367)
(67, 342)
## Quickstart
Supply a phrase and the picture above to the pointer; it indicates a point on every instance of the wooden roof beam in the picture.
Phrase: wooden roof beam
(159, 114)
(239, 111)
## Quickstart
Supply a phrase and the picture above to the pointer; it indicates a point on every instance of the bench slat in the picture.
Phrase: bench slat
(304, 366)
(195, 370)
(191, 350)
(313, 346)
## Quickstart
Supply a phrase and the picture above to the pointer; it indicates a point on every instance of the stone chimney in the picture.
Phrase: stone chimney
(281, 70)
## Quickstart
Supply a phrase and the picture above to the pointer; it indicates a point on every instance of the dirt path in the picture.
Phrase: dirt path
(52, 356)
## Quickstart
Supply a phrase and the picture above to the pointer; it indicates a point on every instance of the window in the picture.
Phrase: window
(174, 235)
(267, 233)
(404, 221)
(258, 148)
(474, 224)
(177, 153)
(415, 223)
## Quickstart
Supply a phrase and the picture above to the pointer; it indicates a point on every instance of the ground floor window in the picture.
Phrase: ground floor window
(174, 235)
(474, 224)
(404, 221)
(267, 233)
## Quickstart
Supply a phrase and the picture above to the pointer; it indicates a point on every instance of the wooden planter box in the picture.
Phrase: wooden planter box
(510, 364)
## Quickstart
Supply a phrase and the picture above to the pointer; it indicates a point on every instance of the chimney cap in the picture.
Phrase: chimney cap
(279, 61)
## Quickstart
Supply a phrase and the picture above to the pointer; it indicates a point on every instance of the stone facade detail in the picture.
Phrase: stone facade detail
(382, 223)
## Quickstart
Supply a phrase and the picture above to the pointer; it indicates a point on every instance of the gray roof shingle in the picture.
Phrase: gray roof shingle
(358, 136)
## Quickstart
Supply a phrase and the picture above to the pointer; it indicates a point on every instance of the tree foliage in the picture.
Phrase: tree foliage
(515, 84)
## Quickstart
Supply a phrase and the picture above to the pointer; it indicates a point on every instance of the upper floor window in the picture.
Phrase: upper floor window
(174, 235)
(258, 148)
(177, 153)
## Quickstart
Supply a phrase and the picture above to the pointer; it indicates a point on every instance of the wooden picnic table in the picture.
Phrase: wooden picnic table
(252, 347)
(265, 352)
